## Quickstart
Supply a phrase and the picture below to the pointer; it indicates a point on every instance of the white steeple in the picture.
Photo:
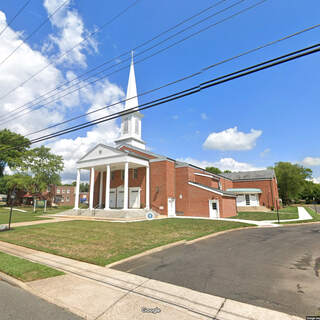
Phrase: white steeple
(131, 123)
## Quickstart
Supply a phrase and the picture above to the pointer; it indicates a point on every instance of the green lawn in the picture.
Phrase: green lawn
(25, 270)
(285, 213)
(101, 242)
(315, 216)
(18, 216)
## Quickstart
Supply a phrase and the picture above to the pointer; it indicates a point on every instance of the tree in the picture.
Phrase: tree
(13, 149)
(291, 180)
(227, 171)
(213, 170)
(44, 166)
(84, 187)
(17, 181)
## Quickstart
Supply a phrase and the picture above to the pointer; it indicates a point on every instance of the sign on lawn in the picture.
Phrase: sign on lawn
(41, 204)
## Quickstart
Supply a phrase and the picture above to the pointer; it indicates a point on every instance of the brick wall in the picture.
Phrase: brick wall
(162, 185)
(269, 194)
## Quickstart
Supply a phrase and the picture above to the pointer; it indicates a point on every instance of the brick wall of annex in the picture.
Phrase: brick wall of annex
(269, 194)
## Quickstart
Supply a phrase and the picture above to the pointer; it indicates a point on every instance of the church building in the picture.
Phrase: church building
(131, 178)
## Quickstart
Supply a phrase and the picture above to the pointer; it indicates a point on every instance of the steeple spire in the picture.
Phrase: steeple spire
(131, 99)
(131, 123)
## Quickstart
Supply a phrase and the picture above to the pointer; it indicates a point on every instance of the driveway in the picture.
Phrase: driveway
(276, 268)
(17, 304)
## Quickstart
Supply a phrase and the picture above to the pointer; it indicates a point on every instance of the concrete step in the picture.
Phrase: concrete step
(253, 209)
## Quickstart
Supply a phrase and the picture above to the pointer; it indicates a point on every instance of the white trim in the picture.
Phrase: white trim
(112, 160)
(91, 189)
(107, 198)
(208, 189)
(206, 175)
(147, 187)
(125, 187)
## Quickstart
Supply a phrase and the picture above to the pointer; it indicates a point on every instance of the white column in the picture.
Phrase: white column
(76, 202)
(148, 188)
(100, 190)
(107, 204)
(91, 189)
(125, 187)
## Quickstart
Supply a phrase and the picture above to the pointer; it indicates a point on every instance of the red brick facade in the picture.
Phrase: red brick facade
(192, 188)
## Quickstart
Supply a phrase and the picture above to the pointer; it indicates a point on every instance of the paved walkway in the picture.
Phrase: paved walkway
(303, 215)
(101, 293)
(31, 223)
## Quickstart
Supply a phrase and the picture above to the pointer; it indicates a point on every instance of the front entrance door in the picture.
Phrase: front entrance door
(113, 195)
(120, 197)
(171, 207)
(214, 209)
(134, 198)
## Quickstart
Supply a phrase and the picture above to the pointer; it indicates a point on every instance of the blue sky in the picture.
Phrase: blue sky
(250, 123)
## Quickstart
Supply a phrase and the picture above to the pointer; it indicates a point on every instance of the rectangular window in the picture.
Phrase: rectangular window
(58, 190)
(135, 173)
(63, 191)
(68, 199)
(68, 190)
(247, 200)
(214, 206)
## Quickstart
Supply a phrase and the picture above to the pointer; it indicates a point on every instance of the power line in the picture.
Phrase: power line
(184, 78)
(14, 17)
(202, 86)
(34, 31)
(143, 59)
(69, 50)
(105, 63)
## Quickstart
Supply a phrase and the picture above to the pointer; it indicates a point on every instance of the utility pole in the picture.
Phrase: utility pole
(12, 196)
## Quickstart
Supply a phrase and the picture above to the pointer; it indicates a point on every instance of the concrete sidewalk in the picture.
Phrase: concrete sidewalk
(95, 292)
(302, 212)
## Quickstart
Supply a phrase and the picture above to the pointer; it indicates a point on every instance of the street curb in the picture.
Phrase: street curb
(154, 250)
(24, 285)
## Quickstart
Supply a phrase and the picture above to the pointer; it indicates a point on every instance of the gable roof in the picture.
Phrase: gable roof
(215, 190)
(267, 174)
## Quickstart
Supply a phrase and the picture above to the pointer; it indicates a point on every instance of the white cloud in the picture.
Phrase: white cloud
(91, 97)
(232, 139)
(311, 161)
(316, 180)
(73, 149)
(71, 32)
(223, 164)
(264, 152)
(204, 116)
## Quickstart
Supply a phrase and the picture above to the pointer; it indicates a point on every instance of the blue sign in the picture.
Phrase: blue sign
(150, 215)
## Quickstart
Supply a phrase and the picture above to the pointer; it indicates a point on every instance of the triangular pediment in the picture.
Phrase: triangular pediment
(101, 151)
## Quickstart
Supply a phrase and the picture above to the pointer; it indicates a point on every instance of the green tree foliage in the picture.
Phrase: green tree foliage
(17, 181)
(13, 149)
(291, 180)
(213, 170)
(310, 192)
(44, 166)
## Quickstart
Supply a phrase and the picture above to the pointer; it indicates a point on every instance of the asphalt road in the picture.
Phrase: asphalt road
(276, 268)
(17, 304)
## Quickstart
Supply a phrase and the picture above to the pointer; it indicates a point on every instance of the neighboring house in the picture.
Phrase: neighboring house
(63, 195)
(130, 177)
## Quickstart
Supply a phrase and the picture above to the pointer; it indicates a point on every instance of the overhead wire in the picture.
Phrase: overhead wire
(139, 61)
(14, 17)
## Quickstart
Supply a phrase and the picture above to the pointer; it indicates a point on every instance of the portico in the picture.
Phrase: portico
(117, 179)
